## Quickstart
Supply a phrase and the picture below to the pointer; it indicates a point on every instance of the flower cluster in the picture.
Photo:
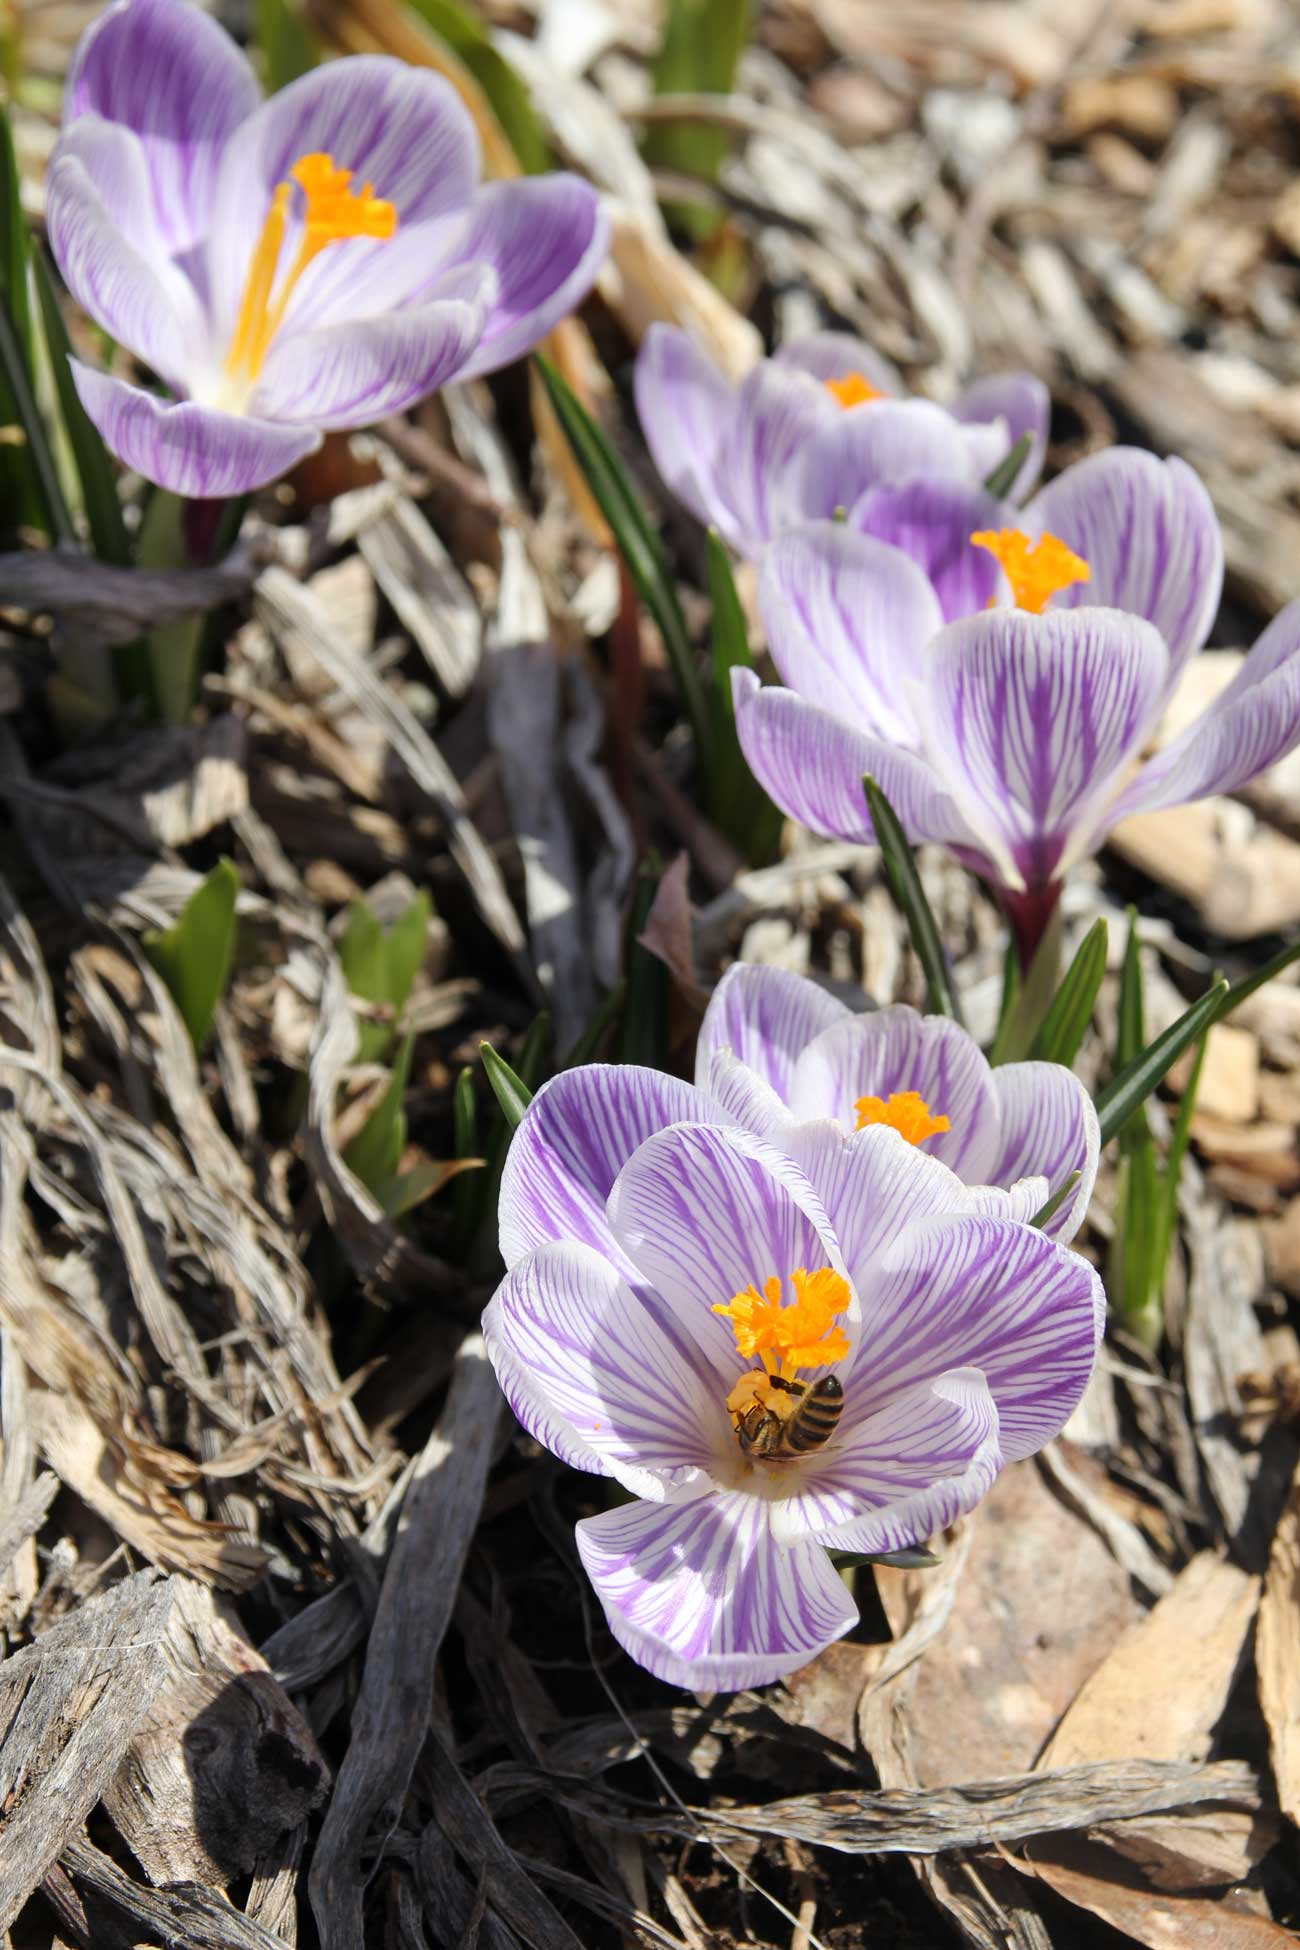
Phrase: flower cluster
(313, 261)
(797, 1305)
(1001, 669)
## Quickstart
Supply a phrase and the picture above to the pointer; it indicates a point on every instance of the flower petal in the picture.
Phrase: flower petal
(400, 128)
(353, 374)
(1032, 718)
(984, 1293)
(902, 1472)
(546, 237)
(590, 1373)
(126, 284)
(168, 72)
(701, 1595)
(896, 1050)
(776, 413)
(1148, 531)
(740, 1096)
(812, 765)
(1250, 725)
(873, 1185)
(838, 355)
(889, 440)
(933, 521)
(578, 1133)
(703, 1212)
(1024, 405)
(189, 449)
(765, 1017)
(685, 407)
(846, 618)
(1049, 1129)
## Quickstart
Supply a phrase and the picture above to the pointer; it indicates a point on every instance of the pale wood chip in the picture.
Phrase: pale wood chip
(1277, 1653)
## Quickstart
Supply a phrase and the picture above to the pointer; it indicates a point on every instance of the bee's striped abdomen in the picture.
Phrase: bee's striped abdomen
(817, 1416)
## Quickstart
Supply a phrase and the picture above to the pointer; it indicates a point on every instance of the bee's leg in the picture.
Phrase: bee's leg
(787, 1387)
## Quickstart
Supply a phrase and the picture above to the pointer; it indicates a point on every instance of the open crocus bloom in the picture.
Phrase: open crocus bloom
(837, 1344)
(815, 429)
(311, 262)
(1014, 735)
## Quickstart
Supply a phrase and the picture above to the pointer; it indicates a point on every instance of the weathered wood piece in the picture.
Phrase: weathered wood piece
(69, 1705)
(391, 1715)
(185, 1917)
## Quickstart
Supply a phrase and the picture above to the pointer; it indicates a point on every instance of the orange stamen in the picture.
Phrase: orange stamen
(1035, 570)
(333, 213)
(906, 1112)
(801, 1335)
(853, 390)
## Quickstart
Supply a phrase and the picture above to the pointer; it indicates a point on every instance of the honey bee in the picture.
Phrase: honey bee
(778, 1420)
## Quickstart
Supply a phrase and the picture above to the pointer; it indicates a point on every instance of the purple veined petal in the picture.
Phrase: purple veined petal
(984, 1293)
(1148, 531)
(838, 355)
(889, 440)
(987, 443)
(1022, 1201)
(933, 521)
(1031, 721)
(701, 1595)
(873, 1185)
(402, 129)
(1049, 1129)
(813, 764)
(546, 238)
(776, 412)
(1024, 404)
(904, 1471)
(167, 71)
(578, 1133)
(894, 1050)
(587, 1369)
(1249, 726)
(740, 1096)
(685, 408)
(702, 1212)
(846, 618)
(353, 374)
(766, 1017)
(140, 299)
(189, 449)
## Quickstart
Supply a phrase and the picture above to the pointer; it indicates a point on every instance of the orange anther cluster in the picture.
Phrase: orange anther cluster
(801, 1335)
(853, 390)
(1035, 570)
(906, 1112)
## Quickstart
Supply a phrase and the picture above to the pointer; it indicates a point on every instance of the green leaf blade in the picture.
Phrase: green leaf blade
(1062, 1030)
(1129, 1089)
(909, 897)
(194, 956)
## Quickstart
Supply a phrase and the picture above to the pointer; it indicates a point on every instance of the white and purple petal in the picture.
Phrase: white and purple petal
(766, 1017)
(577, 1134)
(170, 74)
(1148, 532)
(1031, 720)
(775, 416)
(890, 1051)
(1024, 406)
(188, 449)
(984, 1293)
(1049, 1131)
(702, 1595)
(546, 238)
(933, 521)
(838, 355)
(887, 440)
(846, 617)
(590, 1372)
(873, 1185)
(685, 408)
(812, 764)
(902, 1472)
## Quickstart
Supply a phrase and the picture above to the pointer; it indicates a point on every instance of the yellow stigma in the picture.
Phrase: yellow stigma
(1035, 570)
(906, 1112)
(802, 1335)
(853, 390)
(333, 211)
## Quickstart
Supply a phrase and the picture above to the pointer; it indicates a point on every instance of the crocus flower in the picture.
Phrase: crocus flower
(835, 1344)
(1015, 734)
(815, 429)
(314, 261)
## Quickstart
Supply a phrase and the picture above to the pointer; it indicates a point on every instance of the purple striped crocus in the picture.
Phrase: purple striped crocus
(311, 262)
(1015, 733)
(835, 1344)
(817, 428)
